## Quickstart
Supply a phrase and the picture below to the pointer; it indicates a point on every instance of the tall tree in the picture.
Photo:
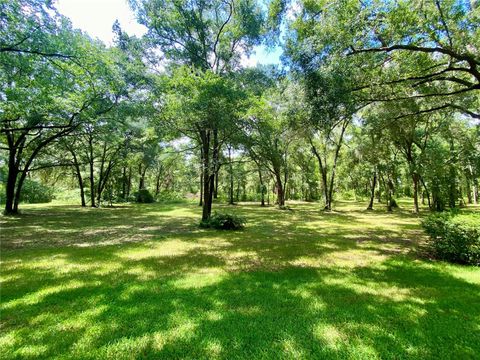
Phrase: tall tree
(210, 37)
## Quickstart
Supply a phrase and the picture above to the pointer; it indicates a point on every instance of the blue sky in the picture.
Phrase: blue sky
(96, 17)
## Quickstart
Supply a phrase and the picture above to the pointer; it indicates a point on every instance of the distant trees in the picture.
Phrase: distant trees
(268, 138)
(374, 107)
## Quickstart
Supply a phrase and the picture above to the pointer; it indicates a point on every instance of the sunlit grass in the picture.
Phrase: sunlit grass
(144, 281)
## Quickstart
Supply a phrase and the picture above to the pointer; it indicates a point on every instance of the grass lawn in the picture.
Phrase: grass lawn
(144, 281)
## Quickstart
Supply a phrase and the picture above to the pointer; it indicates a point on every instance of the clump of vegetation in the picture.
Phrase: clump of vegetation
(144, 196)
(393, 203)
(35, 192)
(454, 237)
(224, 222)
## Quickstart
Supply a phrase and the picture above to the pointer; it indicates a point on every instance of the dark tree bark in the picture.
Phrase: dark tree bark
(92, 170)
(205, 136)
(79, 177)
(334, 168)
(280, 189)
(157, 180)
(323, 174)
(389, 194)
(416, 179)
(16, 176)
(372, 192)
(142, 170)
(129, 182)
(379, 197)
(328, 187)
(262, 187)
(124, 182)
(215, 189)
(200, 202)
(230, 192)
(426, 193)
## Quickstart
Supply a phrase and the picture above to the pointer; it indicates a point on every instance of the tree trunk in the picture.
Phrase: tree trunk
(379, 197)
(268, 192)
(230, 197)
(334, 168)
(103, 180)
(262, 188)
(372, 193)
(16, 200)
(415, 178)
(475, 192)
(452, 193)
(206, 206)
(14, 157)
(426, 192)
(215, 190)
(141, 171)
(389, 195)
(79, 177)
(124, 182)
(211, 177)
(280, 190)
(11, 181)
(101, 174)
(468, 189)
(92, 172)
(157, 182)
(129, 181)
(323, 174)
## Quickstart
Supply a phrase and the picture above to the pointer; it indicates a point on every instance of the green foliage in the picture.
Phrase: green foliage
(144, 196)
(69, 195)
(224, 221)
(393, 203)
(204, 33)
(169, 196)
(34, 192)
(453, 237)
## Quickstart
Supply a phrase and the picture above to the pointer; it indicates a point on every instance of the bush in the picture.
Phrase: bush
(454, 237)
(170, 196)
(224, 222)
(144, 196)
(34, 192)
(70, 195)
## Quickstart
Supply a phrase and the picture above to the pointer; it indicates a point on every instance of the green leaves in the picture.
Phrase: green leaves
(207, 34)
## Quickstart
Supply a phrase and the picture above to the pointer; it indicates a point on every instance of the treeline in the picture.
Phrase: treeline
(374, 106)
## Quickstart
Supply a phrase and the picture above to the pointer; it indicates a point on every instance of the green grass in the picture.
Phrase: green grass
(144, 281)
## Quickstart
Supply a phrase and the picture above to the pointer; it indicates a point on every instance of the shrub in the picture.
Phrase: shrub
(224, 222)
(34, 192)
(68, 195)
(393, 203)
(454, 237)
(170, 196)
(144, 196)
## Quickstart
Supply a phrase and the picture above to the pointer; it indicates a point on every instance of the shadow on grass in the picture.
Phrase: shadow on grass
(146, 282)
(396, 310)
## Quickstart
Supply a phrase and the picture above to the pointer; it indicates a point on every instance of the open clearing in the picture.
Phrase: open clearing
(144, 281)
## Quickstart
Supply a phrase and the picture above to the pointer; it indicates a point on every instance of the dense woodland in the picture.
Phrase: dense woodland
(374, 100)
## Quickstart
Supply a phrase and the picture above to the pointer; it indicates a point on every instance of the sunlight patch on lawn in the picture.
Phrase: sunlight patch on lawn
(328, 334)
(158, 250)
(291, 349)
(199, 280)
(38, 296)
